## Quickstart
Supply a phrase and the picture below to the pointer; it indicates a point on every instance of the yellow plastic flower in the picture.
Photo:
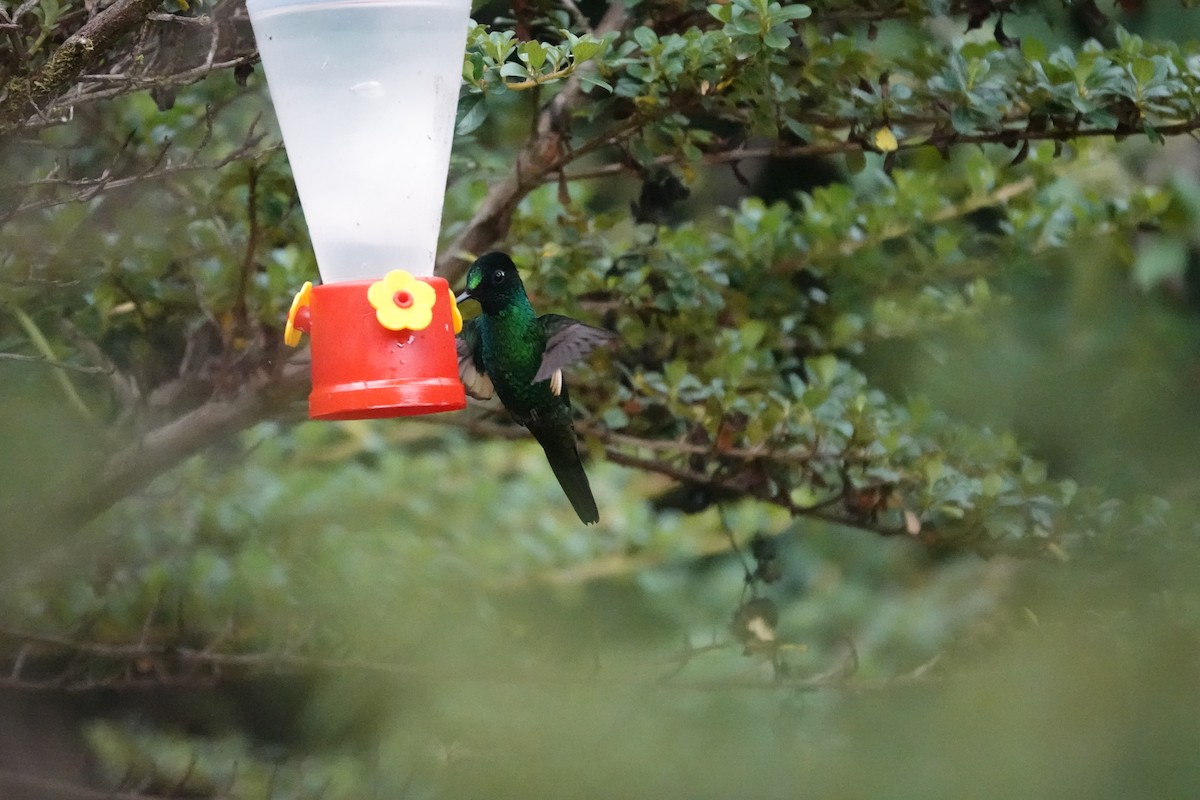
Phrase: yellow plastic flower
(455, 314)
(402, 302)
(292, 334)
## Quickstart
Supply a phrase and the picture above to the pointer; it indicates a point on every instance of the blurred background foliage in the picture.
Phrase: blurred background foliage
(896, 465)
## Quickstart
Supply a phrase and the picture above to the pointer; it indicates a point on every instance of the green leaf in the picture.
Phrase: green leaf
(1033, 49)
(533, 54)
(752, 333)
(514, 70)
(824, 368)
(472, 67)
(1162, 258)
(472, 112)
(720, 11)
(796, 11)
(1143, 70)
(500, 45)
(645, 37)
(592, 80)
(747, 25)
(777, 39)
(614, 418)
(586, 49)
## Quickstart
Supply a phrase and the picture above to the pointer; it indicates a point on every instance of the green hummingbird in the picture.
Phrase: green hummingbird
(511, 352)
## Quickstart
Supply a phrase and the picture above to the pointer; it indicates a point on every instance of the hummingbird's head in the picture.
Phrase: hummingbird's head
(493, 281)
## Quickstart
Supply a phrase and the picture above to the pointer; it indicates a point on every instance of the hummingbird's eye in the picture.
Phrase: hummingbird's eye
(498, 276)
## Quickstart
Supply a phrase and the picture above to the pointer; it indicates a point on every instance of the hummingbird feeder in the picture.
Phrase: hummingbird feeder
(365, 92)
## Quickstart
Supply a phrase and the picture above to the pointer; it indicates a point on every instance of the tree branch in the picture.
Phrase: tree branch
(24, 97)
(52, 787)
(818, 511)
(940, 141)
(726, 477)
(135, 465)
(159, 665)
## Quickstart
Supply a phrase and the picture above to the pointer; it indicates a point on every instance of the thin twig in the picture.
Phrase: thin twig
(576, 14)
(240, 308)
(42, 345)
(283, 661)
(53, 363)
(89, 188)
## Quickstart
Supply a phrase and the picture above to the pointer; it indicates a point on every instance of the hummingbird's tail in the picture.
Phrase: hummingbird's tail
(559, 443)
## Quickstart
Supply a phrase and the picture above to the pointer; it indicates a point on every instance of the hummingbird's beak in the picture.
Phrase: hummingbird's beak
(463, 297)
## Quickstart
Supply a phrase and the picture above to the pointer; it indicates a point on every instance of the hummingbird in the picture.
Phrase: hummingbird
(511, 352)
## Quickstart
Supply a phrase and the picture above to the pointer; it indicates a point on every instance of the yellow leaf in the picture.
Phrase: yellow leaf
(885, 140)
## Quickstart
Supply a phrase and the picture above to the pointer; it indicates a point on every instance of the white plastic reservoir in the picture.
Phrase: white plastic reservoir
(365, 92)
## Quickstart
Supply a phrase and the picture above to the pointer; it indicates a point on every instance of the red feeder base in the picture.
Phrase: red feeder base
(362, 370)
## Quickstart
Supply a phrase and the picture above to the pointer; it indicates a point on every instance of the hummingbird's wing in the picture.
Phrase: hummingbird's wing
(470, 363)
(567, 341)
